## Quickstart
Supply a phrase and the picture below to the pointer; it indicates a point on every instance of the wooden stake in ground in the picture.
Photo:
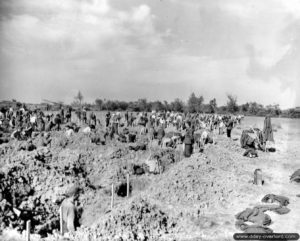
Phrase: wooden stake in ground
(112, 196)
(61, 221)
(159, 165)
(28, 227)
(179, 155)
(258, 180)
(127, 185)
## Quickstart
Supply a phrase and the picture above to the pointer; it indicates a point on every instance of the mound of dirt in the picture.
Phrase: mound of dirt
(188, 189)
(136, 220)
(165, 157)
(27, 190)
(203, 181)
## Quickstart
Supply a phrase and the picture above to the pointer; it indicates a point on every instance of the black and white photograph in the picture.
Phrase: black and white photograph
(149, 120)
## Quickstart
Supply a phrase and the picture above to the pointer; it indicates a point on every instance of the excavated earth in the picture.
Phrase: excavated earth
(190, 199)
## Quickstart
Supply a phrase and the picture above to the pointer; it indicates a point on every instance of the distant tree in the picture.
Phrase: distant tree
(133, 106)
(200, 101)
(232, 106)
(111, 105)
(244, 108)
(123, 105)
(79, 97)
(254, 108)
(192, 103)
(278, 111)
(19, 104)
(177, 105)
(293, 113)
(213, 105)
(167, 106)
(273, 110)
(195, 104)
(99, 104)
(157, 106)
(143, 105)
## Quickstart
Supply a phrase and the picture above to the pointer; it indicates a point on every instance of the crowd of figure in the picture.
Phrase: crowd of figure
(189, 129)
(141, 130)
(254, 139)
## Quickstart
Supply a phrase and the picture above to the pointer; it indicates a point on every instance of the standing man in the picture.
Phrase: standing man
(107, 119)
(93, 119)
(267, 131)
(69, 210)
(229, 126)
(188, 140)
(126, 118)
(160, 134)
(57, 121)
(131, 119)
(115, 125)
(221, 127)
(84, 116)
(78, 113)
(62, 115)
(69, 114)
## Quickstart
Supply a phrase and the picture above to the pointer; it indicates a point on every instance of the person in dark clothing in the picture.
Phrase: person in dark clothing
(247, 141)
(150, 130)
(130, 120)
(79, 116)
(115, 126)
(126, 117)
(142, 121)
(40, 124)
(57, 121)
(146, 120)
(107, 119)
(49, 126)
(160, 134)
(62, 115)
(229, 127)
(68, 115)
(93, 119)
(267, 130)
(188, 141)
(70, 211)
(84, 117)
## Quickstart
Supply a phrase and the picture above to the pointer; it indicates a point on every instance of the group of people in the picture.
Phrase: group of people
(254, 139)
(189, 129)
(22, 123)
(169, 129)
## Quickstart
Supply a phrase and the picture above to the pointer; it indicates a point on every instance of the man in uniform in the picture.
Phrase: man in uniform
(69, 210)
(229, 126)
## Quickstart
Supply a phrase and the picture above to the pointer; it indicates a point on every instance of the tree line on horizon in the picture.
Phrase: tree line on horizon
(194, 104)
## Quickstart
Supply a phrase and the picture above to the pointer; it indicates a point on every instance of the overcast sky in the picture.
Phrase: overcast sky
(156, 49)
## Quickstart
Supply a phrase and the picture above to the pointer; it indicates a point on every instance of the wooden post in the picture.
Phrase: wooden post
(128, 185)
(112, 196)
(28, 227)
(61, 221)
(160, 171)
(258, 180)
